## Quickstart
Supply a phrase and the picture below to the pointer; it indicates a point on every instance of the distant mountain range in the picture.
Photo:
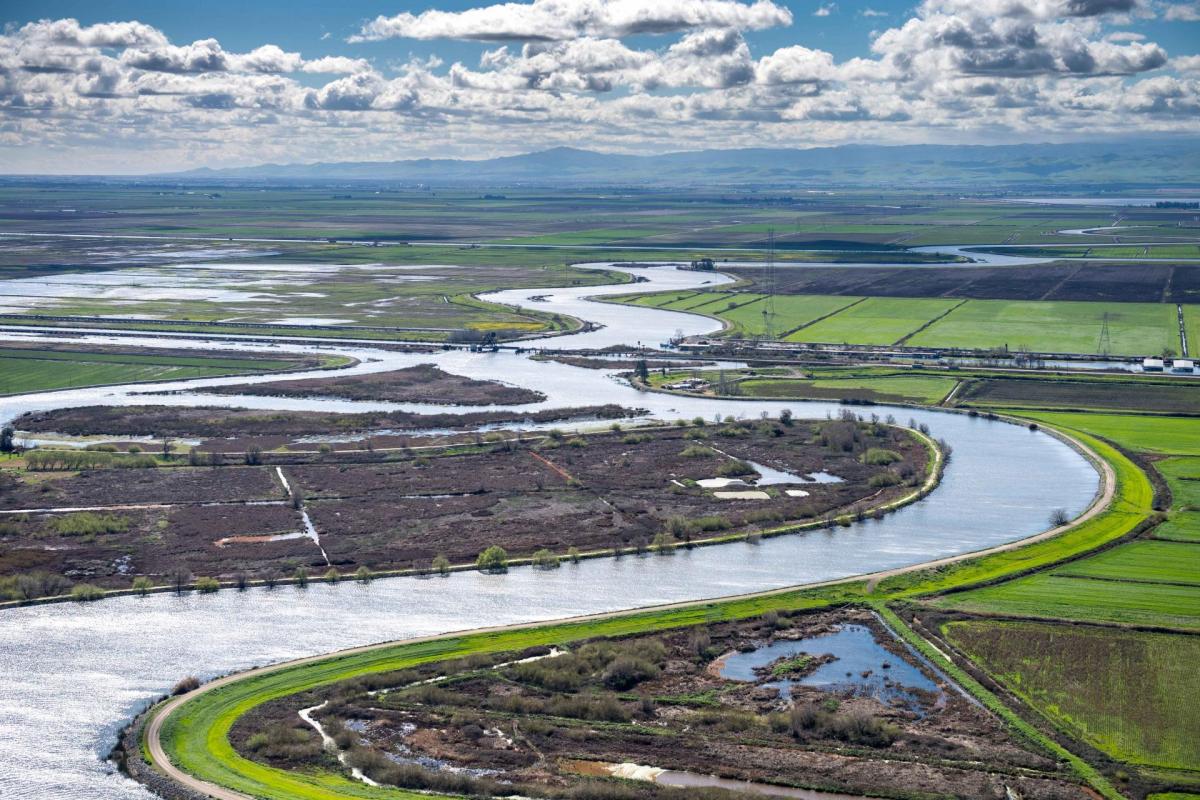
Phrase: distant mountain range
(1150, 163)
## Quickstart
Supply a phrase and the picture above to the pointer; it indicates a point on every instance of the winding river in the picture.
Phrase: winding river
(71, 674)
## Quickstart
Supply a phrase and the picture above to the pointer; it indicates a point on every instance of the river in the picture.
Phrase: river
(71, 674)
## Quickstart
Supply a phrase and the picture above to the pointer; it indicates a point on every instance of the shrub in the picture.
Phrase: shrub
(664, 543)
(735, 468)
(87, 523)
(189, 684)
(626, 672)
(86, 592)
(544, 559)
(578, 441)
(301, 576)
(1059, 517)
(441, 565)
(695, 451)
(363, 574)
(573, 554)
(880, 457)
(142, 585)
(207, 585)
(883, 479)
(332, 575)
(494, 560)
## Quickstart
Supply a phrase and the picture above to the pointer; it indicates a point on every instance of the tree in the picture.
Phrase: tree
(641, 370)
(441, 565)
(6, 439)
(142, 585)
(494, 560)
(363, 574)
(544, 559)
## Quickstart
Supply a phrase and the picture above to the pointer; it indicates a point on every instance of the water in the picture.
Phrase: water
(858, 667)
(71, 674)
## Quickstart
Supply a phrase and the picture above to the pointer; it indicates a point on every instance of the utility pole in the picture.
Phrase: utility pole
(768, 312)
(1105, 344)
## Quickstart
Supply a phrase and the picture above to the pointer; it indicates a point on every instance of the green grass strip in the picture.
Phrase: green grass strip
(196, 736)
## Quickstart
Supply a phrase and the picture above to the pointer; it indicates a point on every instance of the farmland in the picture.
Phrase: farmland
(1050, 326)
(29, 369)
(1151, 434)
(1079, 676)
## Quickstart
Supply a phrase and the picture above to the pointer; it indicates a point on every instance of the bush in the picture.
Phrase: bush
(441, 565)
(363, 575)
(494, 560)
(664, 543)
(87, 523)
(1059, 517)
(735, 468)
(142, 585)
(86, 592)
(207, 585)
(300, 576)
(332, 575)
(573, 554)
(189, 684)
(626, 672)
(879, 457)
(544, 559)
(695, 451)
(883, 480)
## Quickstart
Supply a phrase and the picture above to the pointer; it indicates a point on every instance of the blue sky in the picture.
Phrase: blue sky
(259, 83)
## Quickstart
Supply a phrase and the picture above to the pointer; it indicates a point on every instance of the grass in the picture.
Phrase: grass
(981, 693)
(1147, 434)
(1058, 596)
(1054, 327)
(1168, 397)
(901, 388)
(1131, 505)
(876, 320)
(1123, 692)
(1146, 561)
(23, 371)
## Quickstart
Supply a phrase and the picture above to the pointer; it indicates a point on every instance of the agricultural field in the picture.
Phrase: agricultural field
(1164, 396)
(876, 320)
(1150, 434)
(1123, 692)
(565, 217)
(29, 369)
(1134, 281)
(1058, 327)
(874, 384)
(1050, 326)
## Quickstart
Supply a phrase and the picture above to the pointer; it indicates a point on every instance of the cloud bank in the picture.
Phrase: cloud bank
(121, 95)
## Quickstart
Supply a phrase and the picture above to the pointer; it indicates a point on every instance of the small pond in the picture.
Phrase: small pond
(858, 666)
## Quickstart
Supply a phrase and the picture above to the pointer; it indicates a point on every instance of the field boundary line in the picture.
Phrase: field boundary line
(931, 322)
(821, 318)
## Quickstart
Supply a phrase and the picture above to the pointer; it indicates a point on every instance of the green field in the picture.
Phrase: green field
(876, 320)
(1055, 327)
(1191, 321)
(23, 370)
(1054, 596)
(1037, 326)
(902, 388)
(1149, 434)
(1144, 561)
(1129, 694)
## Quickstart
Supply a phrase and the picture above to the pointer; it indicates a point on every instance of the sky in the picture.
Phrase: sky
(131, 86)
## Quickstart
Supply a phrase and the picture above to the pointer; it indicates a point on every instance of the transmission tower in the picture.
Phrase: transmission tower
(768, 311)
(1105, 344)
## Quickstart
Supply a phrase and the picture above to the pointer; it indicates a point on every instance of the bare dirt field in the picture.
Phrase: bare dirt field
(424, 383)
(622, 491)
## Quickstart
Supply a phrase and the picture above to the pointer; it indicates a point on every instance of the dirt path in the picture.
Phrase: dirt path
(153, 733)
